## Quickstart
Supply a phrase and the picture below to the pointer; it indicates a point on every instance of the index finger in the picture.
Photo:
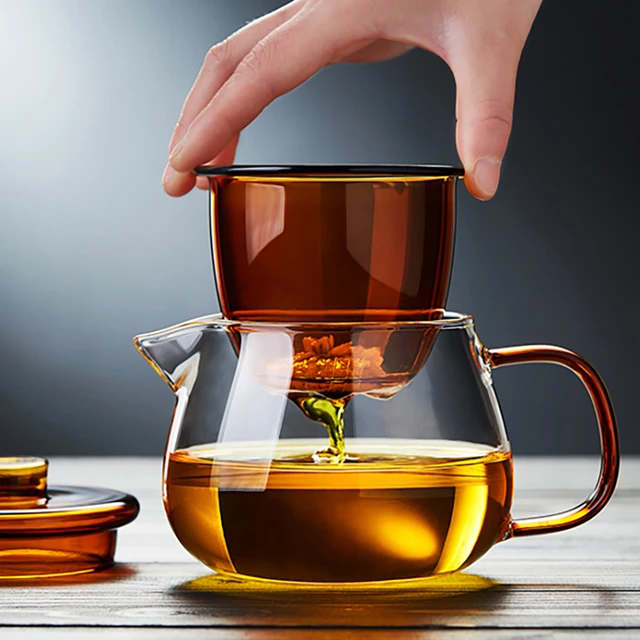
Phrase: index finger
(222, 60)
(276, 65)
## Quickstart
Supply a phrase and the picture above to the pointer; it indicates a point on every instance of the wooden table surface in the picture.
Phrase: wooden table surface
(580, 583)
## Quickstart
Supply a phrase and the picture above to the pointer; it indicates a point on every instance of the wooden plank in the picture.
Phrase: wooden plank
(182, 595)
(150, 539)
(156, 633)
(585, 578)
(531, 472)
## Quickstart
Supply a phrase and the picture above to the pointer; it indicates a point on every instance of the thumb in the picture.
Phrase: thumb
(485, 83)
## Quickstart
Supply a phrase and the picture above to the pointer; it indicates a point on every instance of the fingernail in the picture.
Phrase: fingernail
(177, 150)
(168, 174)
(486, 175)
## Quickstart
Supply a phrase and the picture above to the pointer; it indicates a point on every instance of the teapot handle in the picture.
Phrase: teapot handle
(610, 463)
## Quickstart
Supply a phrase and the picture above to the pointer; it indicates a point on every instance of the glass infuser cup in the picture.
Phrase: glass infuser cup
(332, 242)
(341, 454)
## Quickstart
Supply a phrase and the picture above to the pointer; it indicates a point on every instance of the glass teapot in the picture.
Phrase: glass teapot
(348, 453)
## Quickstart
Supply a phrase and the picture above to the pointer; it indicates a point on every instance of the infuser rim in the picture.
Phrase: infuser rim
(309, 171)
(450, 320)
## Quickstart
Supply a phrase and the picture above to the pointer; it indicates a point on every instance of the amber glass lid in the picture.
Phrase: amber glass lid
(28, 507)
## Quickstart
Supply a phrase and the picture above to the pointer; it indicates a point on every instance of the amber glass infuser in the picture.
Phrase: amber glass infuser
(332, 242)
(348, 453)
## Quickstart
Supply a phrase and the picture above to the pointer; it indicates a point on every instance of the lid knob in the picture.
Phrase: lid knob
(23, 481)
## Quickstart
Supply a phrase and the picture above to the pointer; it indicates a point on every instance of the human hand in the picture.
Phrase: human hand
(480, 40)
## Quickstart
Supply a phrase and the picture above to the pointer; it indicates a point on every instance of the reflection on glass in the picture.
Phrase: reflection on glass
(264, 216)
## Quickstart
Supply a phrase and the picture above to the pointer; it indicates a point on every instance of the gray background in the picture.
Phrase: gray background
(92, 252)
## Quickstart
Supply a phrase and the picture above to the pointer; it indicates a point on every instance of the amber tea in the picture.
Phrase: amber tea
(393, 509)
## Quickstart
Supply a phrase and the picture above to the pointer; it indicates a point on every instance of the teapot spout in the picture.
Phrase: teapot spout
(174, 353)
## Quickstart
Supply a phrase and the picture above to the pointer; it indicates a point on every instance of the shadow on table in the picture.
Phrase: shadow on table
(407, 603)
(117, 572)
